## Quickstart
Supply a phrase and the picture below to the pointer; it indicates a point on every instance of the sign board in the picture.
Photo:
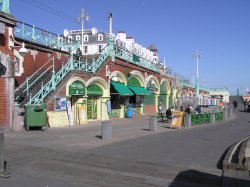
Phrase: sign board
(77, 88)
(60, 103)
(58, 119)
(82, 113)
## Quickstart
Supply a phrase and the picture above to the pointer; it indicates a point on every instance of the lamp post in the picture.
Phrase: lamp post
(197, 57)
(81, 19)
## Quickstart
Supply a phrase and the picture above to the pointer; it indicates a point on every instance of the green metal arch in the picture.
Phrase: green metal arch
(94, 89)
(133, 81)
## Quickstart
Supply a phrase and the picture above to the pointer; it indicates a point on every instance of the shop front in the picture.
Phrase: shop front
(163, 96)
(94, 93)
(137, 101)
(77, 103)
(119, 96)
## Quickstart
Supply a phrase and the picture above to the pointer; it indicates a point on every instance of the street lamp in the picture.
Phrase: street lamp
(197, 56)
(81, 19)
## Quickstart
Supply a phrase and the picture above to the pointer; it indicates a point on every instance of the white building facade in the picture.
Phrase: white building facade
(94, 42)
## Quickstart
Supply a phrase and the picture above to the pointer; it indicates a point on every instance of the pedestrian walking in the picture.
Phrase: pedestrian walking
(235, 104)
(245, 105)
(160, 107)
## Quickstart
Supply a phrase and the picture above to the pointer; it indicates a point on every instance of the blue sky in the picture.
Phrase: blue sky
(218, 29)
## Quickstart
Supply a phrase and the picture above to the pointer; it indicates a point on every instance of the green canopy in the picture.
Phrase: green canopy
(94, 90)
(139, 90)
(122, 89)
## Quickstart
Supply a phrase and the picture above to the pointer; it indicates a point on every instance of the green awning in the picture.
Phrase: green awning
(94, 90)
(122, 89)
(139, 90)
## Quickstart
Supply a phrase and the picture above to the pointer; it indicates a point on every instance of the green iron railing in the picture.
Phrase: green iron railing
(95, 64)
(200, 118)
(4, 5)
(218, 116)
(44, 37)
(25, 86)
(51, 85)
(129, 56)
(71, 65)
(205, 118)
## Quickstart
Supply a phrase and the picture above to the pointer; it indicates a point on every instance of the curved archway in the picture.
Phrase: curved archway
(163, 97)
(118, 76)
(153, 81)
(71, 81)
(101, 83)
(98, 94)
(136, 75)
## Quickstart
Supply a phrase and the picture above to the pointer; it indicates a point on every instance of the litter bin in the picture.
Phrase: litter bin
(35, 116)
(129, 112)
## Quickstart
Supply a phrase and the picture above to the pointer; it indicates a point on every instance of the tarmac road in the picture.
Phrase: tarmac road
(76, 156)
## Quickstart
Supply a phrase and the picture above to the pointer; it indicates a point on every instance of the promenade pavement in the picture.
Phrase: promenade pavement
(135, 156)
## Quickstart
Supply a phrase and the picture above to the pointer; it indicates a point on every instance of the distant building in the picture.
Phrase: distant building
(94, 42)
(220, 93)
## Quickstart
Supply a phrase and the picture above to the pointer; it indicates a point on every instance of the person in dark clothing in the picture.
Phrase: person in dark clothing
(198, 109)
(235, 104)
(188, 110)
(245, 105)
(169, 113)
(78, 54)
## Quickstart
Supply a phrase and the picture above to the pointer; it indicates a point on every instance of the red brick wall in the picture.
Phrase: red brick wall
(150, 110)
(4, 94)
(32, 63)
(3, 104)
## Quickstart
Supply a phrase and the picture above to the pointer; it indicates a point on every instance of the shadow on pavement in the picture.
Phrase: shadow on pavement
(193, 178)
(98, 136)
(220, 162)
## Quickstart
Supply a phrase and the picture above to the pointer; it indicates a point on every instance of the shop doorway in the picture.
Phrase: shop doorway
(92, 107)
(79, 110)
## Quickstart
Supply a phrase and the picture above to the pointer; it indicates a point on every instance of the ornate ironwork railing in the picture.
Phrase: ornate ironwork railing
(51, 85)
(71, 65)
(4, 6)
(26, 85)
(135, 59)
(44, 37)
